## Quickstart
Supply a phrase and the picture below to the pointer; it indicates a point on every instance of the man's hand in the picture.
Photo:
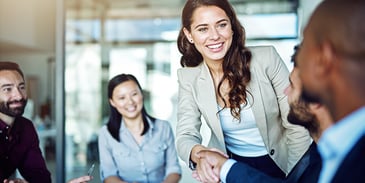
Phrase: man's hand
(15, 181)
(209, 164)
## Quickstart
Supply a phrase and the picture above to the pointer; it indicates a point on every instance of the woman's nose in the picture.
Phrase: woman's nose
(214, 34)
(130, 100)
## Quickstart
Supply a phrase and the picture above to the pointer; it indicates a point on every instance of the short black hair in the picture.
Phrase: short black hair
(6, 65)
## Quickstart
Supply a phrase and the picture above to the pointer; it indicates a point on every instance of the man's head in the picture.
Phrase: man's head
(311, 115)
(13, 97)
(331, 60)
(300, 112)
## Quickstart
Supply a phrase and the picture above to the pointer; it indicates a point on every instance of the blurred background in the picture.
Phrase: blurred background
(69, 49)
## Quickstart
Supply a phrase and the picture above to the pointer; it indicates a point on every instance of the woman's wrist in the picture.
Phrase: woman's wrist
(194, 151)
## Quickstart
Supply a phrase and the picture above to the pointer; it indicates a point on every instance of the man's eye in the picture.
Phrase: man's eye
(22, 88)
(6, 89)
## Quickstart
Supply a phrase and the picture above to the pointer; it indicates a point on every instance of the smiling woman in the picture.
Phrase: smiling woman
(237, 90)
(134, 146)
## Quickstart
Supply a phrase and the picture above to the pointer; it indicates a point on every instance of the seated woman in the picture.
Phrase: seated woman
(133, 146)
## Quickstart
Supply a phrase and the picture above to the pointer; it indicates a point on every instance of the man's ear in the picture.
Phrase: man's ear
(327, 57)
(314, 106)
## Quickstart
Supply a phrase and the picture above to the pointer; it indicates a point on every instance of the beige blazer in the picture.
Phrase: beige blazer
(285, 143)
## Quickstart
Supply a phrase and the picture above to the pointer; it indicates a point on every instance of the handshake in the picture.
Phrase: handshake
(209, 164)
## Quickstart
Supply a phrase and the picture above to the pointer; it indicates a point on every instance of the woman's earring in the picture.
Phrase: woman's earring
(191, 41)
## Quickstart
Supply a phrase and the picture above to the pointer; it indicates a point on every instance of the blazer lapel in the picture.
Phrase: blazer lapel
(255, 101)
(207, 101)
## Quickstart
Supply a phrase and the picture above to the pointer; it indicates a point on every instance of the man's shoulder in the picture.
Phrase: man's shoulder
(357, 152)
(353, 166)
(24, 122)
(23, 119)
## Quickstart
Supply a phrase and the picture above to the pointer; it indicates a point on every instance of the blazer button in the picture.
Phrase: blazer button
(272, 152)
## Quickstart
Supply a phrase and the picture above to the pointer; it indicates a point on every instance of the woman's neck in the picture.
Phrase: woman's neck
(134, 125)
(135, 129)
(215, 68)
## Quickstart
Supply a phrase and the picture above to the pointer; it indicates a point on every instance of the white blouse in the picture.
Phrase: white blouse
(242, 138)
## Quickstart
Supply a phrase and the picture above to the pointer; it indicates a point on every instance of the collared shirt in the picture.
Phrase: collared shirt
(19, 149)
(225, 169)
(350, 129)
(149, 162)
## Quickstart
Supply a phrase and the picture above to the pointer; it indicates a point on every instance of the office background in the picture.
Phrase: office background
(69, 49)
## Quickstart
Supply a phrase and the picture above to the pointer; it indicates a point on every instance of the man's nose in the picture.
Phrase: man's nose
(287, 90)
(18, 93)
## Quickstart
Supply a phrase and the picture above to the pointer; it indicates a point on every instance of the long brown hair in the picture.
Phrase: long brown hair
(236, 64)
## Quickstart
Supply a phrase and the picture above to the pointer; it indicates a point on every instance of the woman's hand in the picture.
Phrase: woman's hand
(204, 167)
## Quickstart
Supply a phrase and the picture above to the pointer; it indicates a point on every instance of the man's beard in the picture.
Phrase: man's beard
(13, 112)
(309, 97)
(299, 115)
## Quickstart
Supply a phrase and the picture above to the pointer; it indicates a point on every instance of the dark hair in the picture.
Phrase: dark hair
(6, 65)
(115, 117)
(236, 64)
(295, 54)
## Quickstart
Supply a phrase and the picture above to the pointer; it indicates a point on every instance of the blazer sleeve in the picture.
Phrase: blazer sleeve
(188, 116)
(298, 138)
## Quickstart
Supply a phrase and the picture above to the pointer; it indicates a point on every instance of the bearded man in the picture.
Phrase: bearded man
(19, 143)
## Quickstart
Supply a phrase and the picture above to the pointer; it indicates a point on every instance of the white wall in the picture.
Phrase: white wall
(305, 10)
(27, 36)
(29, 23)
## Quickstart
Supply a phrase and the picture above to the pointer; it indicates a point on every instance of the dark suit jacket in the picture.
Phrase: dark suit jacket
(352, 169)
(306, 170)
